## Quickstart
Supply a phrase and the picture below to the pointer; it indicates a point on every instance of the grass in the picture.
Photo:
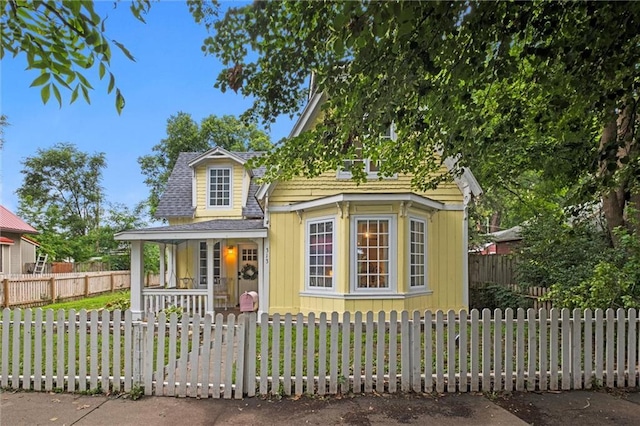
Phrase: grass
(89, 303)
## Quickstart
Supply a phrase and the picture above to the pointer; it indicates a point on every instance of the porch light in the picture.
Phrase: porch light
(230, 249)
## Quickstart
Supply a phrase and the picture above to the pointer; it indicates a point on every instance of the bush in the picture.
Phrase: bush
(493, 296)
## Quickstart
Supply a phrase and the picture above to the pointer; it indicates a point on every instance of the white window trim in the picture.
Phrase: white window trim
(425, 286)
(334, 256)
(345, 174)
(393, 255)
(208, 195)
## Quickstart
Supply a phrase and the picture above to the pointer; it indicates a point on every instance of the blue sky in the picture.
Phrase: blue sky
(170, 74)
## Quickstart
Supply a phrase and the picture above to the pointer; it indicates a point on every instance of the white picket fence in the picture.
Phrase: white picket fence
(325, 354)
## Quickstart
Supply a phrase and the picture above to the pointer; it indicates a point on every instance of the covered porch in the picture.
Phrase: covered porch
(204, 266)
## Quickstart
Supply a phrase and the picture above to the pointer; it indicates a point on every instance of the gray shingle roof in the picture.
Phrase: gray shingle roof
(212, 225)
(177, 197)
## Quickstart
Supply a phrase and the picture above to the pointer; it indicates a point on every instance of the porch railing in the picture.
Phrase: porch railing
(192, 301)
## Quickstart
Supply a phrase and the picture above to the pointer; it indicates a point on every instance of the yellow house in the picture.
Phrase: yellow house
(304, 245)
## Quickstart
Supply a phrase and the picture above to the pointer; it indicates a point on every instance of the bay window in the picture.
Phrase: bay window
(374, 255)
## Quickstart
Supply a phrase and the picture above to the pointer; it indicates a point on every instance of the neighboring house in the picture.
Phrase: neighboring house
(503, 242)
(16, 248)
(304, 245)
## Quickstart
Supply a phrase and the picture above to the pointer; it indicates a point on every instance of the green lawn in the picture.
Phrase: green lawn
(96, 302)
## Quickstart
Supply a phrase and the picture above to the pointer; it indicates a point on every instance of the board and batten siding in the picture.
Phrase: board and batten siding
(444, 262)
(327, 184)
(237, 179)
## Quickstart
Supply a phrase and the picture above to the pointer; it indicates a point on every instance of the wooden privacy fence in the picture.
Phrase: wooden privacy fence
(420, 352)
(495, 268)
(37, 290)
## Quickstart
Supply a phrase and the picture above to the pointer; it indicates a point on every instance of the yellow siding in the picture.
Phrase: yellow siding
(327, 184)
(286, 273)
(238, 195)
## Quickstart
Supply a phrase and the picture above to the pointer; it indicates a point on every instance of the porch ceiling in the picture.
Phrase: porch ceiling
(214, 229)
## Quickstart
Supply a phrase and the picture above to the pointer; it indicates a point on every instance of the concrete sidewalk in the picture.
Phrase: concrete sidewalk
(31, 408)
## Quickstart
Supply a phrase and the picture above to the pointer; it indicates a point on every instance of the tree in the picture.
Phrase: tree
(61, 196)
(63, 40)
(547, 87)
(185, 135)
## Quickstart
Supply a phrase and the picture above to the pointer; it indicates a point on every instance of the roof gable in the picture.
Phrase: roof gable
(217, 153)
(9, 222)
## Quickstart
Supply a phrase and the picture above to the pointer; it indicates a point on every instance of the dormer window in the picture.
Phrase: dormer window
(370, 167)
(219, 187)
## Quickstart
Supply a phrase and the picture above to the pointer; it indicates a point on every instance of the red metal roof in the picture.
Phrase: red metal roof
(6, 241)
(9, 222)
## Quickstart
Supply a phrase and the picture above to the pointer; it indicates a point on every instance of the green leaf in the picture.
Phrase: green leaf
(45, 93)
(101, 70)
(119, 101)
(56, 93)
(112, 83)
(85, 94)
(124, 50)
(42, 79)
(74, 94)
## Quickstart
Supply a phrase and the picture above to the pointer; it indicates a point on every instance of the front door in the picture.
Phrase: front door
(247, 268)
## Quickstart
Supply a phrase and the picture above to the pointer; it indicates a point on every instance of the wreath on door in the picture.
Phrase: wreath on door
(249, 272)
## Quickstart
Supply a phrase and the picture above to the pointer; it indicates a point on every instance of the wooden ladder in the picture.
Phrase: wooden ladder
(40, 264)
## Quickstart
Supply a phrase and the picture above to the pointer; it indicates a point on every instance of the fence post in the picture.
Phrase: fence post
(112, 282)
(5, 289)
(249, 373)
(138, 351)
(86, 286)
(52, 288)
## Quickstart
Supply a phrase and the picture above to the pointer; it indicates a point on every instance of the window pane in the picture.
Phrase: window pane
(219, 187)
(372, 253)
(320, 261)
(418, 276)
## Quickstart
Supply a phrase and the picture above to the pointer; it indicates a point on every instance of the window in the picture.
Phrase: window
(203, 261)
(220, 187)
(418, 254)
(370, 167)
(320, 259)
(249, 254)
(374, 254)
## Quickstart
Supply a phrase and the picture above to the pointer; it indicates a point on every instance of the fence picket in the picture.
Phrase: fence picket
(286, 355)
(532, 350)
(368, 354)
(250, 366)
(576, 349)
(428, 352)
(631, 347)
(346, 344)
(60, 342)
(93, 344)
(357, 352)
(15, 358)
(205, 355)
(82, 350)
(217, 355)
(194, 357)
(599, 324)
(588, 349)
(105, 349)
(475, 360)
(416, 379)
(48, 359)
(380, 353)
(71, 353)
(405, 383)
(26, 352)
(239, 342)
(160, 366)
(520, 350)
(620, 348)
(393, 351)
(322, 355)
(128, 351)
(311, 354)
(497, 350)
(486, 350)
(264, 352)
(610, 347)
(299, 389)
(462, 352)
(228, 367)
(508, 349)
(275, 355)
(542, 348)
(565, 366)
(451, 351)
(37, 351)
(439, 351)
(333, 358)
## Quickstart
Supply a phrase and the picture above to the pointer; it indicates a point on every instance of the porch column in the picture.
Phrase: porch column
(210, 278)
(262, 294)
(137, 277)
(171, 261)
(163, 253)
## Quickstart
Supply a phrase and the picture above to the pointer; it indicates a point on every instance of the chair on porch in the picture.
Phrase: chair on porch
(221, 291)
